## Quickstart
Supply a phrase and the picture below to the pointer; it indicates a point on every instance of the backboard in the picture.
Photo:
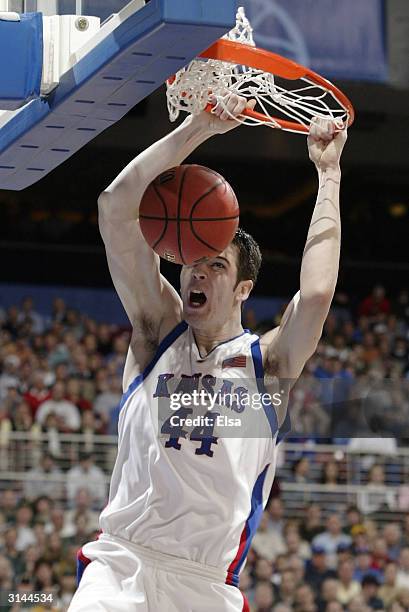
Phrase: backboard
(96, 66)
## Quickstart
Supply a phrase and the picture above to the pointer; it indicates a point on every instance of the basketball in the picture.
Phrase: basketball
(187, 213)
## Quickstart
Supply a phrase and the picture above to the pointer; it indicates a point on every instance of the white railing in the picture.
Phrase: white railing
(20, 451)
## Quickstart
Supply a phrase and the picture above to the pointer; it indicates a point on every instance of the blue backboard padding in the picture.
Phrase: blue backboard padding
(21, 60)
(123, 69)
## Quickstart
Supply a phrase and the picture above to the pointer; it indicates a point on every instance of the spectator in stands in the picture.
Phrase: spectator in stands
(402, 578)
(328, 593)
(370, 592)
(44, 576)
(11, 323)
(22, 418)
(316, 569)
(312, 523)
(348, 588)
(90, 426)
(81, 534)
(304, 600)
(357, 604)
(300, 471)
(29, 314)
(83, 506)
(67, 413)
(59, 310)
(392, 534)
(266, 543)
(88, 476)
(353, 520)
(344, 552)
(263, 570)
(331, 538)
(363, 565)
(9, 376)
(375, 496)
(40, 534)
(38, 392)
(30, 556)
(376, 303)
(68, 586)
(44, 479)
(263, 597)
(104, 339)
(10, 551)
(108, 398)
(389, 589)
(402, 598)
(286, 590)
(405, 534)
(42, 507)
(8, 504)
(57, 518)
(74, 394)
(81, 369)
(330, 473)
(54, 551)
(334, 606)
(293, 542)
(379, 553)
(281, 607)
(7, 408)
(25, 533)
(275, 509)
(7, 576)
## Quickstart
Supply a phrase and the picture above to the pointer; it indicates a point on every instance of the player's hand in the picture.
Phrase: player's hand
(325, 143)
(220, 119)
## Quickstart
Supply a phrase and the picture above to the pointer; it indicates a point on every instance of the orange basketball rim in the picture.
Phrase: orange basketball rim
(237, 53)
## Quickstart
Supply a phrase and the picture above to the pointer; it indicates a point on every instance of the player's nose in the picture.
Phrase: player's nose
(199, 272)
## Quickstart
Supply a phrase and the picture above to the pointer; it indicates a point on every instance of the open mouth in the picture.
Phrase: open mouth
(197, 298)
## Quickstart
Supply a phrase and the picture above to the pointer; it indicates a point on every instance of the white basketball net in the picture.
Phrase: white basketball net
(192, 86)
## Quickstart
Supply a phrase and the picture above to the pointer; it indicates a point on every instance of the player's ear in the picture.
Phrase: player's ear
(244, 289)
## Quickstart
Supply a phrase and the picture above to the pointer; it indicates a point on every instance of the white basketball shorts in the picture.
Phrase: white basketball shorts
(122, 577)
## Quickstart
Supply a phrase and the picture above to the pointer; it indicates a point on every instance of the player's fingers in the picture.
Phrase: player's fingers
(240, 106)
(251, 104)
(322, 129)
(230, 102)
(218, 102)
(234, 105)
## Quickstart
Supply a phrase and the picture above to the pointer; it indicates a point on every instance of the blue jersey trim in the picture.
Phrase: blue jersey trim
(253, 520)
(163, 346)
(269, 410)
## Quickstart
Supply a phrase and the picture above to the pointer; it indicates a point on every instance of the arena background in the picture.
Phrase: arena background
(339, 507)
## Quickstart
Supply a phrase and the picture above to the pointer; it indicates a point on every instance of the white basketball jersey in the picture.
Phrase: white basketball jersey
(190, 491)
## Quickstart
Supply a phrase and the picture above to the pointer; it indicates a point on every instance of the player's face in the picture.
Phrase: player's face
(209, 289)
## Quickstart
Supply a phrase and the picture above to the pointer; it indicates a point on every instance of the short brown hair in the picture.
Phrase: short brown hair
(249, 256)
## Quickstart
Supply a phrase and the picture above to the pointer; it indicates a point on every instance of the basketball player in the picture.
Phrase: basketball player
(183, 507)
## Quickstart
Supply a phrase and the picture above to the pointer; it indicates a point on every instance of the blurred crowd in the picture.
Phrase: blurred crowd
(342, 563)
(356, 384)
(61, 374)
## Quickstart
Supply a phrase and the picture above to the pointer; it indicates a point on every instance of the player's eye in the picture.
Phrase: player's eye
(218, 265)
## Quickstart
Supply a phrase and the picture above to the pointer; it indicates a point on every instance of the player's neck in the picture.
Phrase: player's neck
(208, 339)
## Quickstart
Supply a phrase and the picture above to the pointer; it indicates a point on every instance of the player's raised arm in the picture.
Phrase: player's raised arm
(152, 305)
(296, 339)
